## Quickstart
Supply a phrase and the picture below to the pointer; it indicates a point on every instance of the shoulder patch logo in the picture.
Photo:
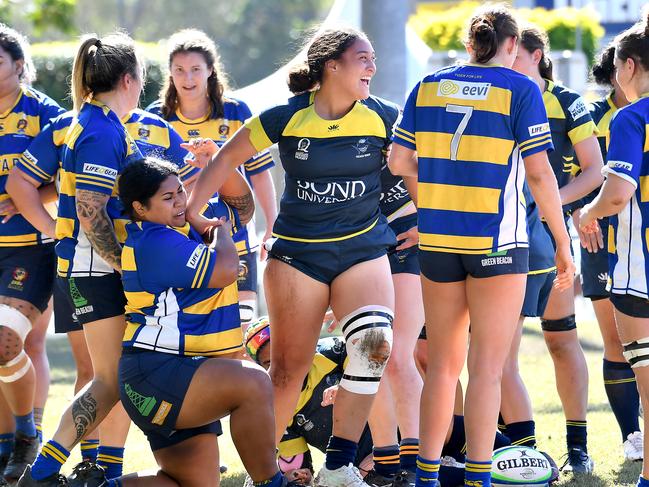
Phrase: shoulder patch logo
(578, 109)
(192, 262)
(539, 129)
(97, 169)
(627, 166)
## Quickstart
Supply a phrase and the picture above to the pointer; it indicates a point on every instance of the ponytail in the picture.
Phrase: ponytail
(489, 27)
(533, 38)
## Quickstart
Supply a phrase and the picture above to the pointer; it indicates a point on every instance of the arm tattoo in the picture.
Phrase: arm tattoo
(84, 414)
(244, 204)
(91, 210)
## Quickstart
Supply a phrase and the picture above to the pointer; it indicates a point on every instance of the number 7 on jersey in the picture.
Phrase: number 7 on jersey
(455, 141)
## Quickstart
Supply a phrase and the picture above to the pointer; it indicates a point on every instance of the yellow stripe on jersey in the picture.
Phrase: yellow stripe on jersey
(472, 148)
(535, 140)
(646, 140)
(359, 122)
(67, 183)
(581, 133)
(18, 240)
(138, 299)
(58, 136)
(320, 240)
(498, 100)
(552, 106)
(62, 265)
(7, 162)
(457, 244)
(542, 142)
(611, 239)
(37, 171)
(644, 189)
(292, 447)
(128, 259)
(229, 295)
(11, 122)
(72, 134)
(258, 137)
(200, 269)
(214, 343)
(157, 135)
(120, 229)
(64, 227)
(450, 197)
(131, 329)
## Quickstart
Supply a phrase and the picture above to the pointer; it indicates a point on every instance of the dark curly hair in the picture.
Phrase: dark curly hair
(140, 180)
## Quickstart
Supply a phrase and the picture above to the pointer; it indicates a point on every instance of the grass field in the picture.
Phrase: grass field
(604, 436)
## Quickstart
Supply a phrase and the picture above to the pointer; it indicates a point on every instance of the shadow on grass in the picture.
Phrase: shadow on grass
(591, 480)
(628, 473)
(234, 480)
(587, 345)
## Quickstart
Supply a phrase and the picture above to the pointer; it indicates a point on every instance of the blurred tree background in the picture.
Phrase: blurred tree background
(254, 37)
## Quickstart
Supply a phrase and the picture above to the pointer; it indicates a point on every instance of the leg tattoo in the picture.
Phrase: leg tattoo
(84, 414)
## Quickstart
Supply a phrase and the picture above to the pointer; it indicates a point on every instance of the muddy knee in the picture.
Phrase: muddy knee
(368, 339)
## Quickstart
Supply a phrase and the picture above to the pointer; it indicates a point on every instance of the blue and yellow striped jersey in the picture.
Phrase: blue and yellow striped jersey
(170, 307)
(471, 126)
(153, 136)
(18, 127)
(235, 113)
(332, 167)
(95, 150)
(628, 233)
(217, 208)
(570, 123)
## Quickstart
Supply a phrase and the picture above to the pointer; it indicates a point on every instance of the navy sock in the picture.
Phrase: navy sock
(6, 444)
(622, 392)
(522, 433)
(112, 459)
(501, 440)
(25, 424)
(427, 472)
(340, 452)
(89, 450)
(477, 474)
(386, 460)
(274, 481)
(38, 421)
(577, 435)
(456, 446)
(49, 460)
(409, 450)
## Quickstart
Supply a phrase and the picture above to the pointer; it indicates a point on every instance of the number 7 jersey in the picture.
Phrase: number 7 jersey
(471, 126)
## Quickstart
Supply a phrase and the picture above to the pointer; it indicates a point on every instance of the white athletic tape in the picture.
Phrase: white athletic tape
(247, 311)
(637, 352)
(20, 372)
(15, 320)
(368, 339)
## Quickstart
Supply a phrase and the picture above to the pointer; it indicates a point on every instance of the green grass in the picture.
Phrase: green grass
(604, 437)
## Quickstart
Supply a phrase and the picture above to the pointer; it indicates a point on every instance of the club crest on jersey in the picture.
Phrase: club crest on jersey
(361, 148)
(302, 151)
(21, 125)
(463, 90)
(224, 129)
(143, 133)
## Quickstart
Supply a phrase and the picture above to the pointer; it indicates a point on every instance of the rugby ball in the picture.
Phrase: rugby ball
(520, 465)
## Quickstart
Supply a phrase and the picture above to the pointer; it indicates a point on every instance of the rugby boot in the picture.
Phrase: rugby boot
(578, 462)
(345, 476)
(56, 480)
(88, 474)
(25, 452)
(405, 478)
(377, 480)
(634, 447)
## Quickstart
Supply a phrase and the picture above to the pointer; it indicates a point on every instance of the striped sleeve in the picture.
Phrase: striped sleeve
(41, 159)
(530, 121)
(98, 158)
(259, 163)
(626, 146)
(187, 263)
(404, 129)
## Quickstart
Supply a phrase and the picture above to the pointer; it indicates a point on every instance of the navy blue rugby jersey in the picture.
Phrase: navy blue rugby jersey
(332, 167)
(541, 257)
(19, 125)
(570, 123)
(395, 199)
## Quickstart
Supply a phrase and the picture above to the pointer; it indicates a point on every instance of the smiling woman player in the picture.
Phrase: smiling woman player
(330, 238)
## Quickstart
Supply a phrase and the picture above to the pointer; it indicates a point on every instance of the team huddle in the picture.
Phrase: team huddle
(401, 228)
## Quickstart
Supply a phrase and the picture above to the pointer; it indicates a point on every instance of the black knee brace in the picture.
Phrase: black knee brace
(562, 324)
